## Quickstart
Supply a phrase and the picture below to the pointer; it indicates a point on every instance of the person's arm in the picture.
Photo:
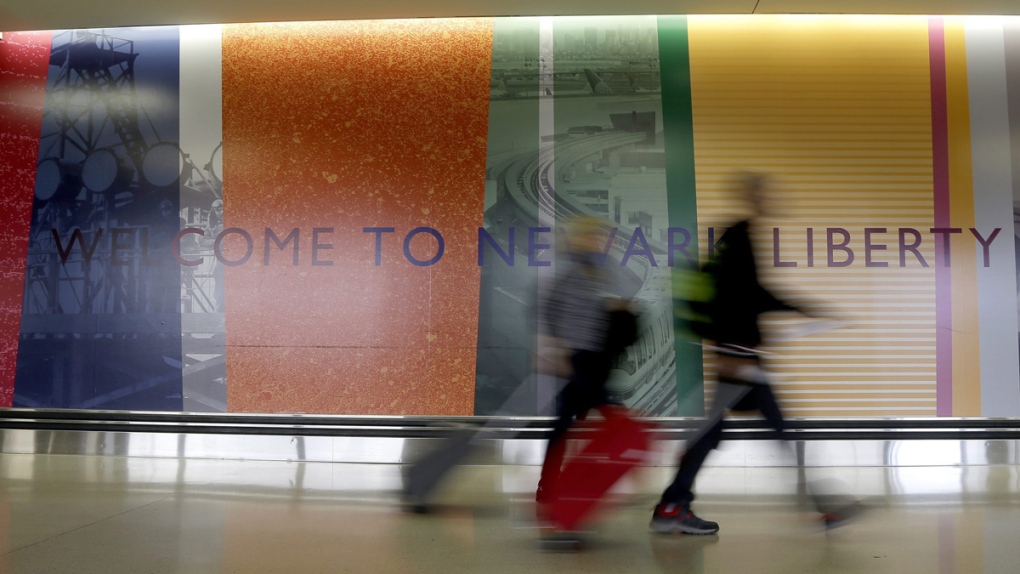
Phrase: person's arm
(767, 301)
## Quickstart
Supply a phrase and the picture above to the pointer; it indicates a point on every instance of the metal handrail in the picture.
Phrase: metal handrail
(497, 427)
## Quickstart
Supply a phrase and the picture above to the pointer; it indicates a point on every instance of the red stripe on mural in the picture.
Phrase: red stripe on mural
(940, 173)
(24, 62)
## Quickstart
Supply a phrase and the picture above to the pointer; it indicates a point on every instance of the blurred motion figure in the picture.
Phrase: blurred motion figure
(577, 316)
(738, 300)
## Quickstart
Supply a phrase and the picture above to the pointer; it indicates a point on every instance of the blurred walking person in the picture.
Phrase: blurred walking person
(577, 316)
(739, 300)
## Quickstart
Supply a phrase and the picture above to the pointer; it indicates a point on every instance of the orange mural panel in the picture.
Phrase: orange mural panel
(329, 129)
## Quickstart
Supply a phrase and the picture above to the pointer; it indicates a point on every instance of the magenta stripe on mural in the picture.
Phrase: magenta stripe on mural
(940, 168)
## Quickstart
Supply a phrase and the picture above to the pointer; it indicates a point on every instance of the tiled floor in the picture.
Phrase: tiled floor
(114, 515)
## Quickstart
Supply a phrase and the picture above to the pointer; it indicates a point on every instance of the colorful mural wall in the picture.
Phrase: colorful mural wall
(361, 217)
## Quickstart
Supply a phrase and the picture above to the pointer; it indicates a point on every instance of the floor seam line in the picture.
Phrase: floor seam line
(8, 553)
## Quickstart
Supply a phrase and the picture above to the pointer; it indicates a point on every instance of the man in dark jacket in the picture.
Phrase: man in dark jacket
(739, 301)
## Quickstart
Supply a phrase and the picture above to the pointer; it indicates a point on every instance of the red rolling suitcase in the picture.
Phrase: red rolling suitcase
(618, 445)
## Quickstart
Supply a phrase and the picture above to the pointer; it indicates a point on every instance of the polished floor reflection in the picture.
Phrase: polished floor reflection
(86, 514)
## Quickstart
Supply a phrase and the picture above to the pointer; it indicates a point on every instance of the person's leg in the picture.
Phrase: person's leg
(585, 390)
(762, 399)
(673, 513)
(566, 409)
(765, 401)
(680, 490)
(594, 372)
(830, 498)
(730, 394)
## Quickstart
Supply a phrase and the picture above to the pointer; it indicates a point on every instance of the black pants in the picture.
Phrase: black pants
(759, 398)
(585, 390)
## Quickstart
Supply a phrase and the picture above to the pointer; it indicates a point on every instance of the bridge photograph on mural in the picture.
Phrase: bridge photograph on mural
(575, 129)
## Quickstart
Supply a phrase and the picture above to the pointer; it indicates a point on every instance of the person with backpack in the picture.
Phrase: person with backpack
(727, 314)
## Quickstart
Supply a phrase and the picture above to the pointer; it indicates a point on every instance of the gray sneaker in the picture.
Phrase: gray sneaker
(678, 519)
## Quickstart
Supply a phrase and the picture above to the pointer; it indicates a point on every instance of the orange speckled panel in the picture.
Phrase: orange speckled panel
(346, 126)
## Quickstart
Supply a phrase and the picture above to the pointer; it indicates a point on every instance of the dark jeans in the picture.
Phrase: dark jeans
(585, 390)
(759, 398)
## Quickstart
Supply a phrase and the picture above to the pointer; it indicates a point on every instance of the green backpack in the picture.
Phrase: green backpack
(694, 300)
